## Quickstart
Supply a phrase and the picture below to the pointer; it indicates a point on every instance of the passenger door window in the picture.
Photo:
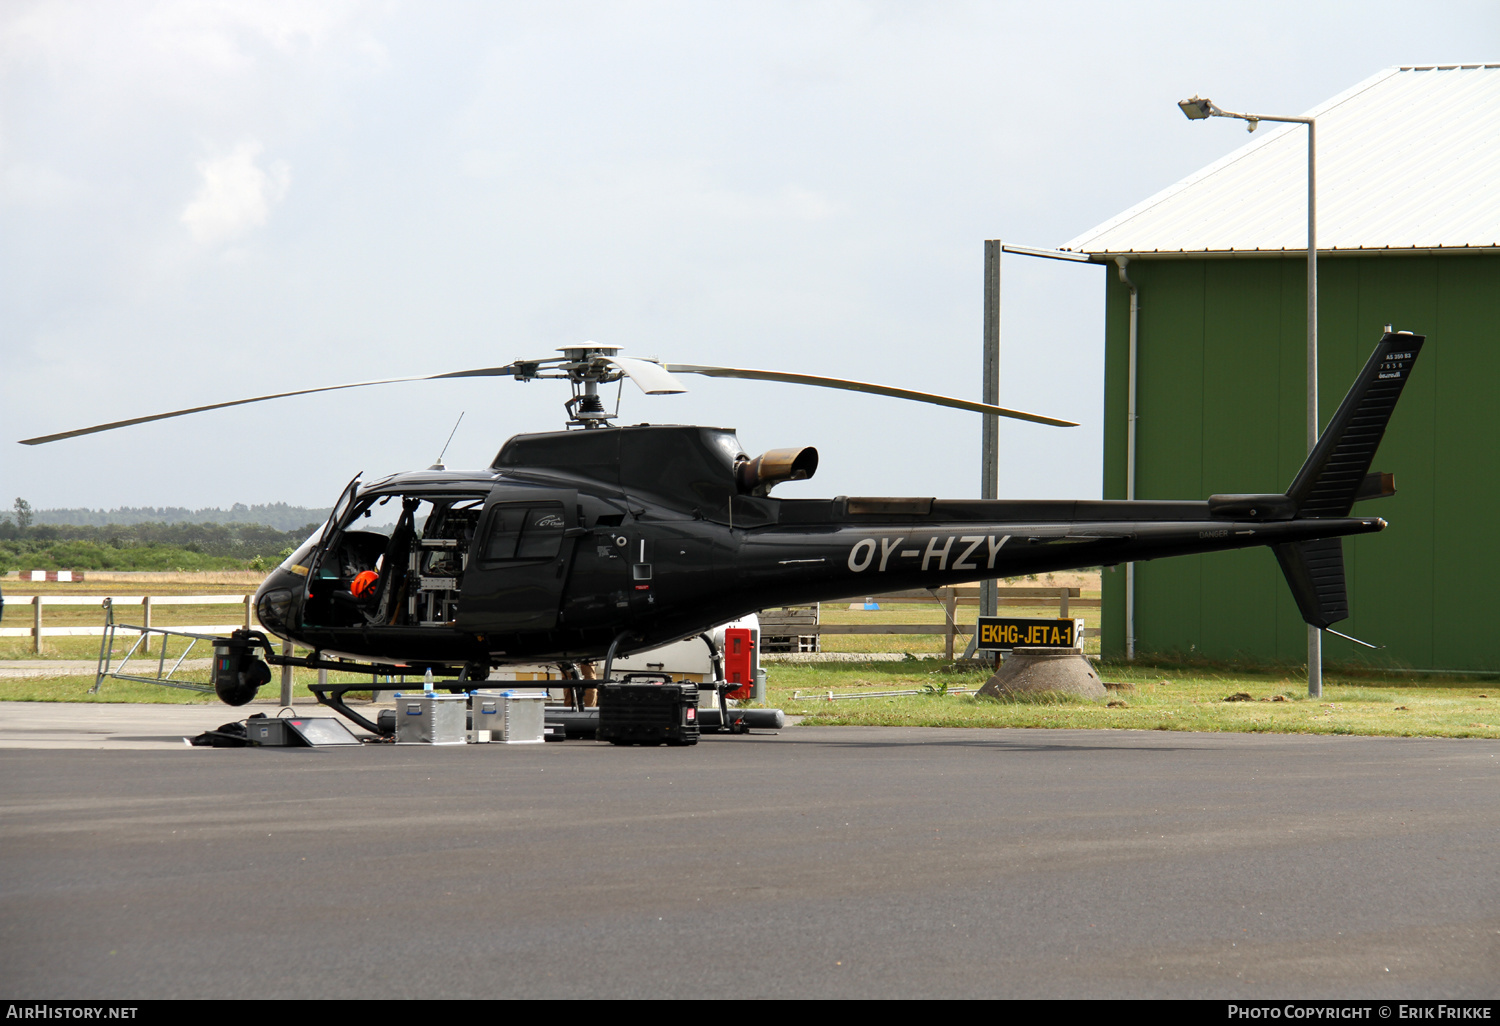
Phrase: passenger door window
(523, 533)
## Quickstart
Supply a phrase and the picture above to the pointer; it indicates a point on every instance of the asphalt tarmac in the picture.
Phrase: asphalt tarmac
(818, 862)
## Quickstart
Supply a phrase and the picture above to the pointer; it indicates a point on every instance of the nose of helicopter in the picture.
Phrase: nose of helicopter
(278, 601)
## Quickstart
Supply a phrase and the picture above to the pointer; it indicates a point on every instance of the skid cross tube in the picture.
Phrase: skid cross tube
(332, 695)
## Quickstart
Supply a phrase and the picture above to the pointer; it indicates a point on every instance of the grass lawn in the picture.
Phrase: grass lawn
(1153, 699)
(75, 688)
(1160, 697)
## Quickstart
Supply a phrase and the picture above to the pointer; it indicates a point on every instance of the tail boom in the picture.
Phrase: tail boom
(819, 565)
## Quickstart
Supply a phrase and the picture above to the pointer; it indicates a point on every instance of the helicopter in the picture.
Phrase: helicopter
(600, 539)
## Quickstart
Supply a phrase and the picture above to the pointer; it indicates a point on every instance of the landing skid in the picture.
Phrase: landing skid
(577, 722)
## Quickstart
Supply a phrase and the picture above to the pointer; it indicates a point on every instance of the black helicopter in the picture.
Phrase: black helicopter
(600, 540)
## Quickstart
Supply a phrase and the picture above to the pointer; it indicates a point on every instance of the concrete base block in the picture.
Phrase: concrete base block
(1041, 670)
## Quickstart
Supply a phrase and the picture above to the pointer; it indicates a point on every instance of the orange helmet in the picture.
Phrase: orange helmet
(364, 584)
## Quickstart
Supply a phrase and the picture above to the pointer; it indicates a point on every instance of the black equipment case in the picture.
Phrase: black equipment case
(648, 714)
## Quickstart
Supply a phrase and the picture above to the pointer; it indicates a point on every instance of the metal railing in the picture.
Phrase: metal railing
(163, 676)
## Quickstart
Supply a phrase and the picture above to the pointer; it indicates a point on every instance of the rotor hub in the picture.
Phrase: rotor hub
(587, 366)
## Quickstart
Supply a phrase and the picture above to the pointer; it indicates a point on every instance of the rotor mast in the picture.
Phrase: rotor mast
(587, 367)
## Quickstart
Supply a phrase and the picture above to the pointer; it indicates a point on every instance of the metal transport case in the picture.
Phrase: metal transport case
(508, 717)
(269, 732)
(648, 714)
(297, 731)
(425, 718)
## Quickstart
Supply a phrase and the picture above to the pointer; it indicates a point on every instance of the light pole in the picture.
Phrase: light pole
(1198, 109)
(989, 592)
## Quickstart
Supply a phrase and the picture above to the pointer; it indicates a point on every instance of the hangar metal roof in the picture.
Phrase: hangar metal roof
(1409, 159)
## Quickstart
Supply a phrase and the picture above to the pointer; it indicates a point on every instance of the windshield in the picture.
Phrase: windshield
(303, 552)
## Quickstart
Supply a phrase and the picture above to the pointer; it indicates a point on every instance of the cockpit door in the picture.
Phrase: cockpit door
(519, 562)
(330, 528)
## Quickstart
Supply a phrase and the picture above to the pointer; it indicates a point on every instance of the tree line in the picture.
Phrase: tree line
(275, 514)
(241, 541)
(31, 541)
(146, 546)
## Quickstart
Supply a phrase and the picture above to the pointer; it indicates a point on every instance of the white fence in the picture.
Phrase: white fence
(37, 631)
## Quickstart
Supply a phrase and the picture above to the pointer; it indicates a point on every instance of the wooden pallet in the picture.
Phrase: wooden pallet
(779, 629)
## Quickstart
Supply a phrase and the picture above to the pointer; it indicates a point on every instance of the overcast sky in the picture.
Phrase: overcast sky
(204, 201)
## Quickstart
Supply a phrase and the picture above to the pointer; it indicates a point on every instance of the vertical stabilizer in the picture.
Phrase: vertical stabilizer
(1336, 473)
(1328, 482)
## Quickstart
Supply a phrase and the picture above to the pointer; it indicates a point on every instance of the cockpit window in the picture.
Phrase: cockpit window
(303, 553)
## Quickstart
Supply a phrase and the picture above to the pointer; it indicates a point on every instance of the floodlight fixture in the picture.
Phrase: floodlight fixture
(1198, 108)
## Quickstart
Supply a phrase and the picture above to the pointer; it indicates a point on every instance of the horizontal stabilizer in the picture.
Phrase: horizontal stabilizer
(1315, 572)
(1334, 474)
(1376, 486)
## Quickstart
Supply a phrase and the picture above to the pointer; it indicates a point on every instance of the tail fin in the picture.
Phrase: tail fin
(1329, 481)
(1315, 572)
(1337, 473)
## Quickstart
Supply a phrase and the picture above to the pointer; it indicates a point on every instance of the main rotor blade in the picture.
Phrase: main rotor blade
(863, 386)
(482, 372)
(652, 378)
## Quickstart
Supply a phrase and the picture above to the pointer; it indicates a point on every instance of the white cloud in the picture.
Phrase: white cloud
(236, 195)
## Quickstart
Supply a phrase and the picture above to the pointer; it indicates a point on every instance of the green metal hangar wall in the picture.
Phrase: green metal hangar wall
(1408, 201)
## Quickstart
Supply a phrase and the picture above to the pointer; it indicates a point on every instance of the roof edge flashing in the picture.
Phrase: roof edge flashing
(1104, 256)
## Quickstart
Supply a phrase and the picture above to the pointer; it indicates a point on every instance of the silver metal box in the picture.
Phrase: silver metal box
(508, 717)
(424, 718)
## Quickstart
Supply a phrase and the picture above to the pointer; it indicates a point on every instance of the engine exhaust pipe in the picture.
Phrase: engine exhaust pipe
(760, 475)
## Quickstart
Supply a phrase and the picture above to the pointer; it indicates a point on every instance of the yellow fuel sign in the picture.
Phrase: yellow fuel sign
(1001, 633)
